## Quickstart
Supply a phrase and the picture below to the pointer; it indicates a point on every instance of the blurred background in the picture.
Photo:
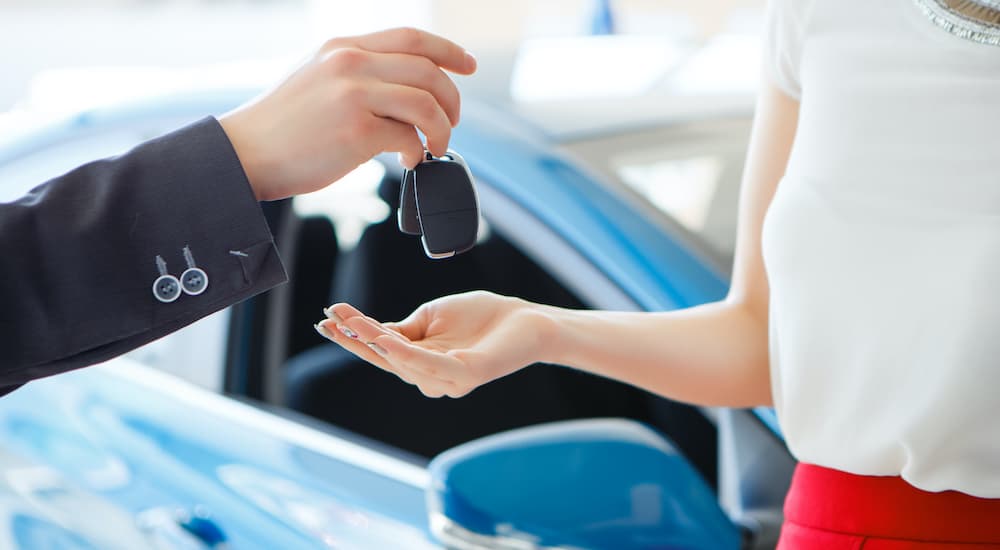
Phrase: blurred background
(607, 138)
(610, 80)
(67, 54)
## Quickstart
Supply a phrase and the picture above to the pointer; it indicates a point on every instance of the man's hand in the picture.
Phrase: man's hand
(355, 98)
(447, 347)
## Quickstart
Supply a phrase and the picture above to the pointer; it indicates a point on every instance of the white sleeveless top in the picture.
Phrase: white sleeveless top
(882, 244)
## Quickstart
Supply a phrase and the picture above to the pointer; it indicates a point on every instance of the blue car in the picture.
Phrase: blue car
(247, 430)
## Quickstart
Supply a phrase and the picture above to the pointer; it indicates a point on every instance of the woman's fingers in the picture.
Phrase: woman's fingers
(427, 365)
(436, 373)
(418, 359)
(329, 330)
(414, 327)
(400, 352)
(334, 333)
(367, 330)
(441, 51)
(352, 340)
(431, 382)
(341, 312)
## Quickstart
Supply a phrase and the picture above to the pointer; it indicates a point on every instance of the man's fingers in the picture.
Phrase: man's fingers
(418, 72)
(416, 107)
(401, 138)
(443, 52)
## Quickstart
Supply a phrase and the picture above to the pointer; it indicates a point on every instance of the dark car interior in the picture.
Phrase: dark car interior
(387, 276)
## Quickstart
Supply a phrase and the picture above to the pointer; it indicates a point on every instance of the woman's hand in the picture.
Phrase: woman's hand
(449, 346)
(715, 354)
(355, 98)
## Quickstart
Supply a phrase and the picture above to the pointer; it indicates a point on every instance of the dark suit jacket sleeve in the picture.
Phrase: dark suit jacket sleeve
(78, 253)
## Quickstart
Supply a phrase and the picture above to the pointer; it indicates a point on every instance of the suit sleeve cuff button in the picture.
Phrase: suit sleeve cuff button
(166, 288)
(194, 281)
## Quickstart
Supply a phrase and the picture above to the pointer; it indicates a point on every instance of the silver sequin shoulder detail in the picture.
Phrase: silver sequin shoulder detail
(994, 4)
(976, 20)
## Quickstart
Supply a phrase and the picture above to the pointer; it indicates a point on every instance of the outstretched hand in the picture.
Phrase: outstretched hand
(447, 347)
(358, 96)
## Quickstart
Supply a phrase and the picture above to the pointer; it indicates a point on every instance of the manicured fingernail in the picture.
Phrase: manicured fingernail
(322, 331)
(328, 311)
(378, 349)
(470, 59)
(348, 332)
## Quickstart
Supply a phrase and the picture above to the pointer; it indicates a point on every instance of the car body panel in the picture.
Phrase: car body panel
(142, 440)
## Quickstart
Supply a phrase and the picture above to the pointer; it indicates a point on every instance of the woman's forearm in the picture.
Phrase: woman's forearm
(715, 354)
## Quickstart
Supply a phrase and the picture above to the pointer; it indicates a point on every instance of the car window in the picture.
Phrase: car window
(697, 191)
(682, 188)
(687, 175)
(386, 274)
(351, 204)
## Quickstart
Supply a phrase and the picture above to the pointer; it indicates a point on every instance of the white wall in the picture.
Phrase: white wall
(39, 35)
(34, 39)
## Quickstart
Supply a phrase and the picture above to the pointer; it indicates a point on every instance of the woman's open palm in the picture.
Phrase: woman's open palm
(449, 346)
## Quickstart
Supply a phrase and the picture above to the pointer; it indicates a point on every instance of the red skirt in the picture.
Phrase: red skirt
(833, 510)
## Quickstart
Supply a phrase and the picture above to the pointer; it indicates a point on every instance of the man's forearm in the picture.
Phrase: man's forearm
(81, 252)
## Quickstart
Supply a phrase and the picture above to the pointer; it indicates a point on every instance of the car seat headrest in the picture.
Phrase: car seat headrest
(388, 189)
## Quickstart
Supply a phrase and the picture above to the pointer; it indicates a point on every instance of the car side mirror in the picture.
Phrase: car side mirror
(602, 483)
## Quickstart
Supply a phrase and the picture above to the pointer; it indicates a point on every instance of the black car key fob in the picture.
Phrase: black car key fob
(438, 201)
(409, 221)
